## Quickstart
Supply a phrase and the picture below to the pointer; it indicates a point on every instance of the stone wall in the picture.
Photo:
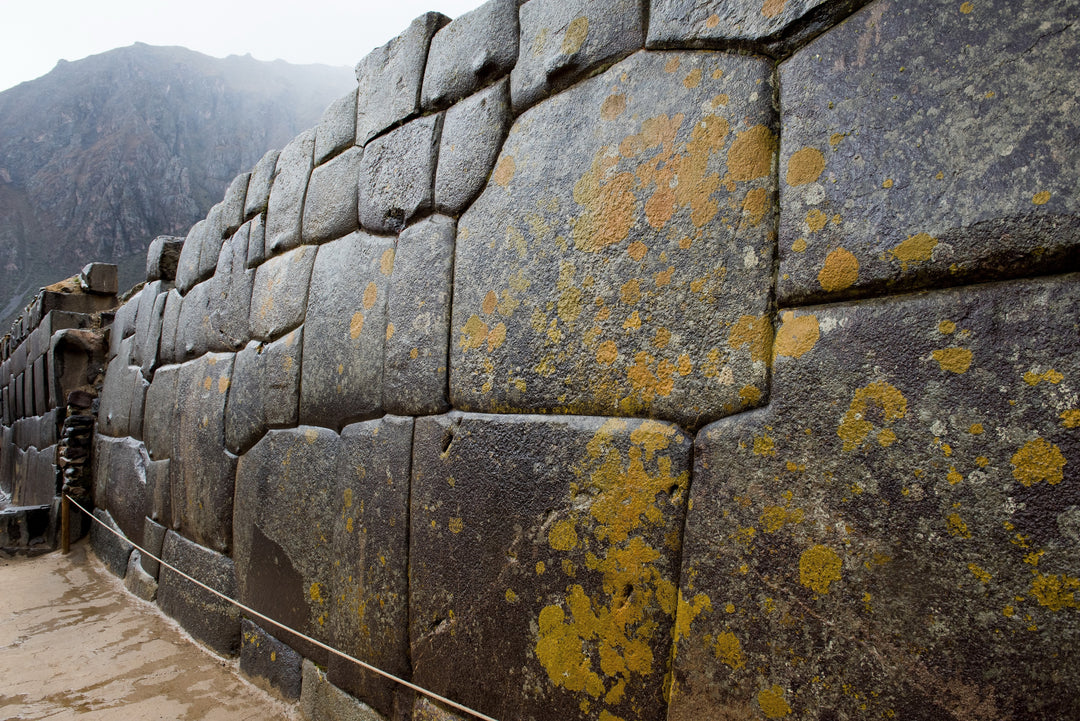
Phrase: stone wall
(620, 360)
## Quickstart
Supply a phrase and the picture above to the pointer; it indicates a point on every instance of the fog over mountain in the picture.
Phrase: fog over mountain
(101, 155)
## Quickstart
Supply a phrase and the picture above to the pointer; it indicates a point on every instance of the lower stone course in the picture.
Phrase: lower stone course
(206, 617)
(112, 551)
(267, 659)
(321, 700)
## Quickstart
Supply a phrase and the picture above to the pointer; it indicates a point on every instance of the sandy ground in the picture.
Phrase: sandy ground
(75, 643)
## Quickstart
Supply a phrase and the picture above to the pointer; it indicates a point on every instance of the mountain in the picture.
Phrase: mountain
(101, 155)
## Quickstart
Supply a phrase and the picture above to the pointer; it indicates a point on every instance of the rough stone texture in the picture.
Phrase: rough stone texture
(210, 241)
(206, 617)
(265, 658)
(187, 268)
(472, 134)
(229, 295)
(390, 76)
(901, 519)
(320, 700)
(286, 203)
(137, 581)
(202, 470)
(424, 709)
(279, 296)
(153, 541)
(144, 350)
(170, 320)
(397, 175)
(337, 128)
(114, 413)
(257, 241)
(123, 325)
(264, 390)
(619, 261)
(330, 210)
(545, 550)
(345, 332)
(563, 40)
(193, 323)
(162, 257)
(285, 511)
(100, 278)
(159, 419)
(949, 165)
(470, 52)
(258, 190)
(232, 210)
(112, 551)
(369, 618)
(159, 492)
(126, 489)
(774, 26)
(418, 319)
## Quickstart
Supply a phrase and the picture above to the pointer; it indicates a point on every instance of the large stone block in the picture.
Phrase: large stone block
(123, 326)
(161, 411)
(187, 268)
(620, 259)
(397, 175)
(907, 163)
(472, 134)
(265, 658)
(284, 530)
(280, 294)
(208, 618)
(151, 342)
(901, 519)
(470, 52)
(369, 615)
(545, 550)
(127, 492)
(153, 541)
(158, 494)
(193, 323)
(321, 700)
(114, 414)
(211, 237)
(336, 130)
(202, 471)
(418, 319)
(170, 320)
(137, 581)
(111, 549)
(258, 190)
(257, 241)
(286, 203)
(232, 207)
(229, 295)
(147, 322)
(330, 209)
(390, 77)
(264, 391)
(100, 278)
(563, 40)
(345, 331)
(162, 258)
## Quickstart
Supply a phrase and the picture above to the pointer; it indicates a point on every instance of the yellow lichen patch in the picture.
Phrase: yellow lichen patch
(712, 21)
(389, 331)
(805, 166)
(976, 429)
(650, 377)
(1038, 460)
(840, 271)
(607, 353)
(559, 645)
(662, 338)
(371, 293)
(956, 526)
(797, 335)
(386, 262)
(1070, 418)
(496, 337)
(764, 445)
(687, 612)
(637, 250)
(613, 106)
(772, 8)
(356, 325)
(887, 183)
(773, 518)
(491, 301)
(819, 566)
(772, 703)
(729, 650)
(752, 331)
(684, 365)
(575, 35)
(610, 207)
(540, 568)
(223, 383)
(1041, 198)
(755, 205)
(504, 171)
(966, 7)
(208, 383)
(835, 138)
(510, 596)
(946, 327)
(916, 249)
(1055, 591)
(630, 292)
(455, 525)
(1050, 376)
(315, 593)
(563, 535)
(693, 79)
(816, 220)
(953, 476)
(751, 154)
(633, 321)
(474, 333)
(799, 245)
(886, 437)
(749, 394)
(979, 573)
(855, 426)
(954, 360)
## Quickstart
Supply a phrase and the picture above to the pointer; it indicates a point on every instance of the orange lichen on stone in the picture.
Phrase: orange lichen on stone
(504, 171)
(854, 428)
(610, 207)
(797, 335)
(954, 360)
(840, 271)
(1038, 460)
(1041, 198)
(755, 205)
(576, 32)
(772, 703)
(805, 166)
(752, 331)
(816, 220)
(916, 249)
(1049, 376)
(750, 156)
(1055, 591)
(729, 650)
(607, 353)
(772, 8)
(613, 106)
(819, 567)
(1071, 418)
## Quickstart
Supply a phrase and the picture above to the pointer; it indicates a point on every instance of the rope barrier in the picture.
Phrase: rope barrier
(309, 639)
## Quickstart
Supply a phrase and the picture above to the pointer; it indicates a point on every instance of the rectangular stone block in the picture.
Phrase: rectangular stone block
(232, 208)
(127, 492)
(213, 234)
(162, 258)
(321, 700)
(170, 320)
(265, 659)
(469, 53)
(390, 78)
(153, 541)
(151, 342)
(257, 241)
(123, 326)
(137, 581)
(620, 259)
(472, 134)
(899, 174)
(41, 387)
(258, 190)
(147, 324)
(286, 204)
(280, 293)
(158, 492)
(397, 175)
(114, 414)
(206, 617)
(345, 331)
(187, 268)
(900, 518)
(113, 551)
(565, 39)
(229, 297)
(336, 130)
(161, 411)
(571, 526)
(330, 209)
(418, 319)
(264, 391)
(99, 278)
(193, 323)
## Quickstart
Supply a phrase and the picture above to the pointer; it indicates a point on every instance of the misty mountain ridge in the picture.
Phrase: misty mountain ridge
(101, 155)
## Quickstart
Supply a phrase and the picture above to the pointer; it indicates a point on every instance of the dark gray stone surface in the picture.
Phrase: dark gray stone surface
(153, 541)
(336, 130)
(390, 76)
(123, 325)
(258, 190)
(229, 295)
(137, 581)
(127, 493)
(148, 312)
(257, 241)
(114, 417)
(473, 50)
(187, 268)
(159, 492)
(286, 203)
(206, 617)
(170, 320)
(472, 134)
(330, 208)
(620, 259)
(162, 257)
(397, 175)
(210, 240)
(563, 40)
(267, 659)
(284, 530)
(112, 551)
(369, 616)
(193, 324)
(345, 331)
(418, 319)
(138, 402)
(265, 390)
(100, 278)
(279, 296)
(162, 407)
(901, 518)
(151, 342)
(99, 489)
(546, 549)
(232, 208)
(321, 700)
(904, 169)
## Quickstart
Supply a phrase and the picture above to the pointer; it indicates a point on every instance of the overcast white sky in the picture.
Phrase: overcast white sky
(34, 34)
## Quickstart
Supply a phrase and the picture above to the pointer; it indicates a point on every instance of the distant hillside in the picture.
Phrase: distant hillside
(102, 154)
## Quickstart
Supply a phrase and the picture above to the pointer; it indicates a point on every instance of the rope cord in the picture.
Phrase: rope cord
(309, 639)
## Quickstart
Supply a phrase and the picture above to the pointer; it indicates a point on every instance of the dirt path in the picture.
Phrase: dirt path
(74, 643)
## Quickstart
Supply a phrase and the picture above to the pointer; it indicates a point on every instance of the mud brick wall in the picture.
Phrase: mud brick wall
(635, 360)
